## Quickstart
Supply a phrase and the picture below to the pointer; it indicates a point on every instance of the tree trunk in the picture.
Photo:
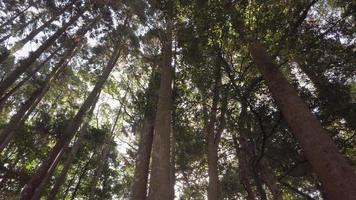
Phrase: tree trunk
(244, 172)
(337, 99)
(139, 185)
(57, 151)
(19, 70)
(67, 164)
(60, 180)
(336, 175)
(160, 174)
(212, 153)
(20, 117)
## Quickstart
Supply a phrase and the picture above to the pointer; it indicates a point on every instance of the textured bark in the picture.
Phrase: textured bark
(23, 65)
(26, 109)
(57, 151)
(160, 174)
(336, 175)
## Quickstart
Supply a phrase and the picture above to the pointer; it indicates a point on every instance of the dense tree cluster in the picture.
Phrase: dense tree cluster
(177, 99)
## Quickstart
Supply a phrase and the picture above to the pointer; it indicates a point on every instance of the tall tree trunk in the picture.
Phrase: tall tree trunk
(19, 70)
(67, 164)
(337, 176)
(160, 174)
(212, 154)
(139, 185)
(20, 117)
(60, 180)
(57, 151)
(31, 35)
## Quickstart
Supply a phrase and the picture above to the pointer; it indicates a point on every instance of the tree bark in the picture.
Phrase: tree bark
(212, 154)
(21, 68)
(160, 174)
(337, 176)
(57, 151)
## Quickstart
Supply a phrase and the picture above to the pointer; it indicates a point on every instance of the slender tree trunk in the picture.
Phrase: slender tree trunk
(19, 70)
(212, 141)
(60, 180)
(160, 174)
(20, 117)
(339, 100)
(57, 151)
(139, 186)
(67, 164)
(337, 176)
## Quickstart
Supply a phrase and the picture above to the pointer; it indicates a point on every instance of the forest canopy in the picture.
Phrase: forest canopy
(178, 99)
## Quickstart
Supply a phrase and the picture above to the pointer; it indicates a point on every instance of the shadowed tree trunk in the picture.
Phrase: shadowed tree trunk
(270, 180)
(212, 153)
(25, 64)
(60, 180)
(67, 164)
(139, 186)
(160, 173)
(70, 130)
(337, 176)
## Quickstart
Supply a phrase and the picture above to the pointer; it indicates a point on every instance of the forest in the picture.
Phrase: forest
(178, 99)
